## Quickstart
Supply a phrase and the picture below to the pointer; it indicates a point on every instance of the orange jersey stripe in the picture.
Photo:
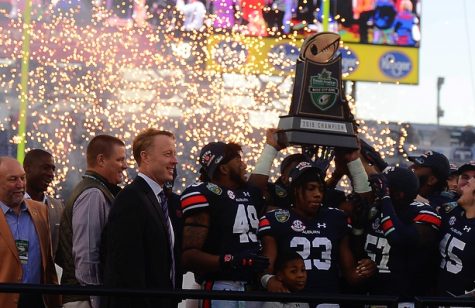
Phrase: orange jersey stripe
(429, 219)
(197, 199)
(388, 224)
(264, 223)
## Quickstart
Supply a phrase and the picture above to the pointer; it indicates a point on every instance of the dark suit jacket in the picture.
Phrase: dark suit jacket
(55, 210)
(174, 210)
(136, 250)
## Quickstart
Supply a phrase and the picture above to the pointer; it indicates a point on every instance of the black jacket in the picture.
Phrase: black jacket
(136, 248)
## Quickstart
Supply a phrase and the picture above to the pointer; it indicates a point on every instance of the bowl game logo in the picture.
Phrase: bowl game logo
(282, 215)
(298, 226)
(323, 90)
(214, 188)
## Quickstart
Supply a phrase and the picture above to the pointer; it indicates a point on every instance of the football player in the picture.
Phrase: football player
(432, 169)
(457, 246)
(319, 234)
(220, 244)
(401, 236)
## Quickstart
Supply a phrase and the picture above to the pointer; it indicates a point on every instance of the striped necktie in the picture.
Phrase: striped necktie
(164, 204)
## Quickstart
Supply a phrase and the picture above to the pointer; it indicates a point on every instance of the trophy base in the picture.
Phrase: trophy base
(311, 131)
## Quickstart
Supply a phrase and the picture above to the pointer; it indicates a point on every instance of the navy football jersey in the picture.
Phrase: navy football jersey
(401, 266)
(457, 251)
(234, 220)
(316, 240)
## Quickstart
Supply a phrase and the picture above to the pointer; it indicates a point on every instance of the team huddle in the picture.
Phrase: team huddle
(401, 231)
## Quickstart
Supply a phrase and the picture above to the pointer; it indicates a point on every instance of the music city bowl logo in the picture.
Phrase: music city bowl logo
(283, 57)
(230, 54)
(323, 90)
(395, 64)
(349, 61)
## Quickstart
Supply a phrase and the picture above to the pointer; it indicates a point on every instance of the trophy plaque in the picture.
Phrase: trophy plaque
(319, 114)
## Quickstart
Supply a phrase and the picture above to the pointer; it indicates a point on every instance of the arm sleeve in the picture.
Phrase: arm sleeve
(89, 217)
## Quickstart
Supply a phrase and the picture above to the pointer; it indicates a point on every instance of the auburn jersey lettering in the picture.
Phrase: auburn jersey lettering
(316, 240)
(234, 219)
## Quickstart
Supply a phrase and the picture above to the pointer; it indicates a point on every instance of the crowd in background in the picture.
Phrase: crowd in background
(401, 231)
(393, 22)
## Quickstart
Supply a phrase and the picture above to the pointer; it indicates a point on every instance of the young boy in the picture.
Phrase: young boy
(290, 270)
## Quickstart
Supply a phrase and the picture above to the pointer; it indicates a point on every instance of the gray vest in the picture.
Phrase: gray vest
(64, 254)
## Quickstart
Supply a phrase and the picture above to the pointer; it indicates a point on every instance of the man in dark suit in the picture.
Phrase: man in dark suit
(138, 240)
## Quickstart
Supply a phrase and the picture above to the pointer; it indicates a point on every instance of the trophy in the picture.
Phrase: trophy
(319, 114)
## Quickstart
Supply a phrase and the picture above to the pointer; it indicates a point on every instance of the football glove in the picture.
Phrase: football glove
(246, 260)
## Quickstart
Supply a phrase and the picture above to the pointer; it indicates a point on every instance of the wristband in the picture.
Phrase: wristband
(265, 280)
(358, 176)
(264, 163)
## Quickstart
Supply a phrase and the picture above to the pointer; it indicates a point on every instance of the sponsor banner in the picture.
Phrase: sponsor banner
(380, 63)
(277, 56)
(253, 55)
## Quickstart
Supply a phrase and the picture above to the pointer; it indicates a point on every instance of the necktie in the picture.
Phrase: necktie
(164, 205)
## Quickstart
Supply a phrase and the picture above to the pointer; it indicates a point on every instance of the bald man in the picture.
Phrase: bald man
(25, 242)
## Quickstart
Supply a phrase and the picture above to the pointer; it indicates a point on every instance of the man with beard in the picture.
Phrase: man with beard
(39, 167)
(221, 216)
(432, 169)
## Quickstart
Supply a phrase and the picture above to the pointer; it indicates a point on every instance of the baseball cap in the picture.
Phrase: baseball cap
(453, 170)
(434, 160)
(466, 167)
(403, 180)
(211, 156)
(288, 160)
(303, 168)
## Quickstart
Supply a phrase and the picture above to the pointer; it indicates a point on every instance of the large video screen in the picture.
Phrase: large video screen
(381, 22)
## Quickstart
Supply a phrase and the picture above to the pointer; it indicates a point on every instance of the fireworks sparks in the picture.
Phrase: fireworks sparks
(118, 77)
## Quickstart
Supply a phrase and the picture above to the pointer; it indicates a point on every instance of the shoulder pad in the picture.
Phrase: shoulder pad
(334, 209)
(419, 204)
